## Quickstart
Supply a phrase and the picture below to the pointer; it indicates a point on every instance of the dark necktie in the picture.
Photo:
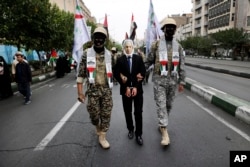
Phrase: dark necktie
(129, 63)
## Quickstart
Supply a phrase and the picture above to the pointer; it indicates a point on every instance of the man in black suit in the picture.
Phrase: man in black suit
(129, 71)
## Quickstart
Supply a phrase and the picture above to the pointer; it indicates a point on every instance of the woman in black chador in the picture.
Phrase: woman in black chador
(60, 70)
(5, 80)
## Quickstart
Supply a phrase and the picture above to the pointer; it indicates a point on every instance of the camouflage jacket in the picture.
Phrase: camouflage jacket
(153, 58)
(100, 72)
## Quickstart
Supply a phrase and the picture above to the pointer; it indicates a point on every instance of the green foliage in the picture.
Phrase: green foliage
(227, 39)
(39, 25)
(201, 45)
(230, 38)
(36, 25)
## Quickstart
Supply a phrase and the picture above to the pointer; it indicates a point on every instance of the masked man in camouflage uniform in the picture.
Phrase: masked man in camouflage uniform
(166, 55)
(96, 68)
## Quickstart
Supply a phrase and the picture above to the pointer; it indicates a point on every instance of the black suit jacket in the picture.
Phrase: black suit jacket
(122, 67)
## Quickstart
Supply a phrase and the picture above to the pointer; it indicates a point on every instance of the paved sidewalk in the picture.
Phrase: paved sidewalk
(234, 106)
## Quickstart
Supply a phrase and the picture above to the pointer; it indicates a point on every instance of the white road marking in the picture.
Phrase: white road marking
(58, 126)
(243, 134)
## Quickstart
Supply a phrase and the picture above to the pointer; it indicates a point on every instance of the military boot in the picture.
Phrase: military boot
(102, 140)
(165, 138)
(98, 129)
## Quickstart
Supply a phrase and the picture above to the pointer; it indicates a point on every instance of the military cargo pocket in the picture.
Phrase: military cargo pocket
(93, 92)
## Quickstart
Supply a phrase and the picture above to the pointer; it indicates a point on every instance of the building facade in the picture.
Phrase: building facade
(70, 6)
(200, 17)
(184, 25)
(222, 15)
(211, 16)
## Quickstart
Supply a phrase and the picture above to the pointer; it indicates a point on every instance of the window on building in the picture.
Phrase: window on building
(248, 21)
(232, 18)
(225, 8)
(221, 9)
(228, 6)
(224, 20)
(234, 3)
(228, 17)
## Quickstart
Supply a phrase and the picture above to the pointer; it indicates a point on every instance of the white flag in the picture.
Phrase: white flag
(153, 29)
(81, 35)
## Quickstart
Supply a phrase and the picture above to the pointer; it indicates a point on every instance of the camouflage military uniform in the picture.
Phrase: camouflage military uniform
(165, 86)
(99, 94)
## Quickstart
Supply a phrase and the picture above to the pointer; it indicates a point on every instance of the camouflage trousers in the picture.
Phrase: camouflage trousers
(99, 106)
(164, 93)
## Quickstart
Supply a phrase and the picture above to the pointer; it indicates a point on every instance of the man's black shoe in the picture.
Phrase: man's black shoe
(131, 134)
(139, 140)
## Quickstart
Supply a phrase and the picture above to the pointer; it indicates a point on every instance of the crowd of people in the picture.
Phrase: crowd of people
(100, 69)
(20, 72)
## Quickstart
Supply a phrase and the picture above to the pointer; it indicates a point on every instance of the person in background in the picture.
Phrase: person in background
(140, 53)
(60, 67)
(95, 67)
(23, 77)
(67, 63)
(14, 63)
(114, 59)
(215, 54)
(5, 80)
(167, 56)
(129, 71)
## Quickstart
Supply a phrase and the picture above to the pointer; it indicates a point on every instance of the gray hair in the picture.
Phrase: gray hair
(124, 43)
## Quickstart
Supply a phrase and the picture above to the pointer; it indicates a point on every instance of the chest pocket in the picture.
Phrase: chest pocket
(100, 71)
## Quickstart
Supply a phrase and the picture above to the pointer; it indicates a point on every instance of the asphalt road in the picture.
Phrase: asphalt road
(200, 133)
(233, 85)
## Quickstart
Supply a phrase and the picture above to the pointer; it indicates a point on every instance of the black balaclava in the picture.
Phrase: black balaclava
(169, 31)
(99, 40)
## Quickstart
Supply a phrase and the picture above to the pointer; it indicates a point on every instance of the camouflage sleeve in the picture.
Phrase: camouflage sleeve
(82, 70)
(182, 72)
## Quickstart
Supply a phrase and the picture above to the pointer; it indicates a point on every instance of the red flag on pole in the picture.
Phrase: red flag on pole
(133, 28)
(105, 25)
(126, 35)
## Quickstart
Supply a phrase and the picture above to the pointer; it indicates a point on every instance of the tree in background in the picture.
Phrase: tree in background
(35, 25)
(38, 25)
(232, 39)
